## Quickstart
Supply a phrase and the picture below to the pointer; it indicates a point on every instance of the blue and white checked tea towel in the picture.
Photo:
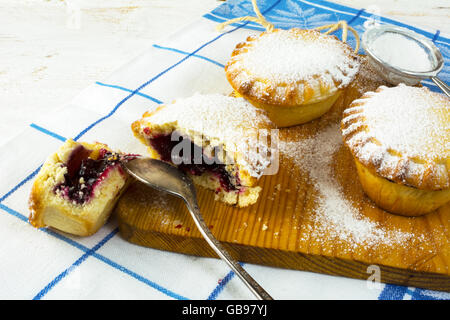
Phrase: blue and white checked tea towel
(44, 264)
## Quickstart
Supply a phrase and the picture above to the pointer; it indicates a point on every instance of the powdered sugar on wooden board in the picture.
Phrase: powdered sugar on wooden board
(367, 79)
(160, 203)
(335, 216)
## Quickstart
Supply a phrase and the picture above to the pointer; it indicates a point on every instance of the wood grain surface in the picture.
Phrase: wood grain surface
(312, 215)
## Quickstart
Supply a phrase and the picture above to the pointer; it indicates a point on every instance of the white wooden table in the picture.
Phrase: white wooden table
(51, 49)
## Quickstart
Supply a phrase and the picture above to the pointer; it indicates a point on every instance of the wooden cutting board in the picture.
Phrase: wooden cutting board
(312, 215)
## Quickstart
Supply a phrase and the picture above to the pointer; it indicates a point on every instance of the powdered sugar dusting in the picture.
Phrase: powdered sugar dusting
(284, 57)
(161, 204)
(214, 114)
(367, 79)
(335, 216)
(410, 120)
(402, 52)
(230, 121)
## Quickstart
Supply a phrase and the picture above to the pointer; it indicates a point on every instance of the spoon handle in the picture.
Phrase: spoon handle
(441, 84)
(256, 289)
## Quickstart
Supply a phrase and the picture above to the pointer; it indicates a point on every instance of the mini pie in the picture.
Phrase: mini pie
(215, 139)
(295, 75)
(77, 187)
(400, 140)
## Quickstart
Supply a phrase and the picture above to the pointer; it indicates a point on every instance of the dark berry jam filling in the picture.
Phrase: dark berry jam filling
(163, 144)
(84, 173)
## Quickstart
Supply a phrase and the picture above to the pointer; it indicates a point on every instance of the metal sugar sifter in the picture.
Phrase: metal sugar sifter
(394, 74)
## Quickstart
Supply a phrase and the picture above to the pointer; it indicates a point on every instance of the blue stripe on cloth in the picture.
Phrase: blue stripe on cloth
(233, 9)
(249, 25)
(129, 90)
(13, 213)
(159, 75)
(420, 294)
(48, 231)
(96, 255)
(389, 291)
(430, 85)
(219, 288)
(84, 131)
(152, 284)
(48, 132)
(356, 16)
(333, 6)
(392, 292)
(230, 10)
(140, 278)
(35, 172)
(79, 261)
(132, 94)
(31, 175)
(436, 35)
(20, 184)
(350, 11)
(342, 9)
(146, 84)
(163, 48)
(67, 240)
(186, 53)
(416, 294)
(83, 248)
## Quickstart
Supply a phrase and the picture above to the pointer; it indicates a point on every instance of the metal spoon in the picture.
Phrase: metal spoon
(164, 177)
(395, 75)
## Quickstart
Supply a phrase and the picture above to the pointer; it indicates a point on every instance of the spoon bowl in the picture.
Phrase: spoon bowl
(165, 177)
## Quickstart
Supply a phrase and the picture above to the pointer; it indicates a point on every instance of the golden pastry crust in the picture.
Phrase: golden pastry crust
(48, 208)
(402, 134)
(215, 121)
(399, 198)
(303, 80)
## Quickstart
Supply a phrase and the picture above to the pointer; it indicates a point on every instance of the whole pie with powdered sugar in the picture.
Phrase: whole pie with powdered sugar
(222, 142)
(295, 75)
(402, 134)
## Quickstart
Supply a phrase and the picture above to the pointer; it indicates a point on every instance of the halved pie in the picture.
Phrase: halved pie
(222, 142)
(77, 187)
